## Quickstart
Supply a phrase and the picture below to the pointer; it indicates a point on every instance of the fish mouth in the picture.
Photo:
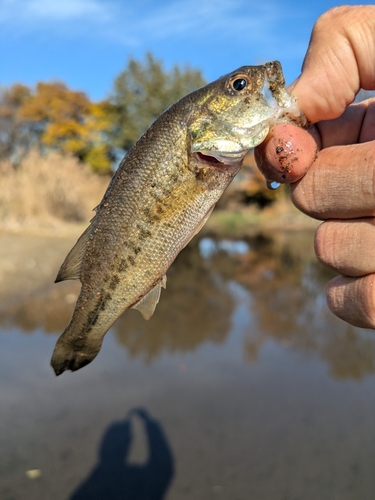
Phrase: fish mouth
(221, 161)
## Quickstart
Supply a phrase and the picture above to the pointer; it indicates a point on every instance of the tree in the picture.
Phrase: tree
(15, 137)
(142, 92)
(68, 122)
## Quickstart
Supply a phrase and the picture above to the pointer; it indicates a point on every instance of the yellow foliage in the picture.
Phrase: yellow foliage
(70, 123)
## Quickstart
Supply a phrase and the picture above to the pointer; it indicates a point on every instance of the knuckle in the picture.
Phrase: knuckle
(331, 17)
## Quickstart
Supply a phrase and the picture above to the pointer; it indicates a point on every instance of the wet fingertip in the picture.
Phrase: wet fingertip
(288, 154)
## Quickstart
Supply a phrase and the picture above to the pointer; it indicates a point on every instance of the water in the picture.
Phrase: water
(242, 386)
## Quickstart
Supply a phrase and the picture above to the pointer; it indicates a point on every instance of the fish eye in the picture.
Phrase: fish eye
(239, 83)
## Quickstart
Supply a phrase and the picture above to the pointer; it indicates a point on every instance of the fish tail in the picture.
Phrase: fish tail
(72, 355)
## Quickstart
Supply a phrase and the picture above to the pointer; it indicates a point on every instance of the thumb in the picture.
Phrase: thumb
(339, 61)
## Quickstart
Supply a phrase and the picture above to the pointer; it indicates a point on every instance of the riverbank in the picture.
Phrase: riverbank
(248, 221)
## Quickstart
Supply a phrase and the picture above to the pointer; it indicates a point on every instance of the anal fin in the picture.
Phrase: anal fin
(146, 306)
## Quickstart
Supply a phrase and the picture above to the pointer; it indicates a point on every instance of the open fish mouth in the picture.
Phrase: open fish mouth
(219, 160)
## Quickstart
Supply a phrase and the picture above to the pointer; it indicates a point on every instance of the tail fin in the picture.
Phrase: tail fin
(67, 356)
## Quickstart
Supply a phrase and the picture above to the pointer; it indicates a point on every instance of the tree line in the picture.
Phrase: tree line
(52, 117)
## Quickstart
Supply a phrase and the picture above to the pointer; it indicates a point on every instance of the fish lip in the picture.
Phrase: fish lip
(220, 161)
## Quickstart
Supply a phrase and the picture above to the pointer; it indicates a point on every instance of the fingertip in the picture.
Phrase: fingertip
(287, 153)
(353, 299)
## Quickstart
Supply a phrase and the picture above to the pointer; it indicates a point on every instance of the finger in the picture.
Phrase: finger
(368, 125)
(339, 61)
(356, 124)
(347, 247)
(287, 153)
(336, 187)
(353, 299)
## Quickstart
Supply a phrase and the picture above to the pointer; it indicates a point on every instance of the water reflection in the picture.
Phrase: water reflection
(114, 478)
(49, 309)
(284, 289)
(195, 308)
(286, 286)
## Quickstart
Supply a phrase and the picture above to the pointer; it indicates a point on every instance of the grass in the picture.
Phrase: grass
(53, 191)
(247, 221)
(47, 191)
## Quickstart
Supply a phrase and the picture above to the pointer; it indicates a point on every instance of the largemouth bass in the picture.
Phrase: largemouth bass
(160, 197)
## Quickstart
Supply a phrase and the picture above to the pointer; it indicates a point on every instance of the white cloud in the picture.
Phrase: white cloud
(35, 12)
(66, 9)
(239, 23)
(199, 18)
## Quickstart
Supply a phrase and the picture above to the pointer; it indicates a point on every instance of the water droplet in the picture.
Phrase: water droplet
(273, 185)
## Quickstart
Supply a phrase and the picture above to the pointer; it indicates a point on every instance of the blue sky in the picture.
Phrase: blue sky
(86, 43)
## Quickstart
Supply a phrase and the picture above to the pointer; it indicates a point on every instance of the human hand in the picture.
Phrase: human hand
(331, 167)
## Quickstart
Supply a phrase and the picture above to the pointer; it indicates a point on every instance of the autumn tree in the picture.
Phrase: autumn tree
(68, 122)
(142, 92)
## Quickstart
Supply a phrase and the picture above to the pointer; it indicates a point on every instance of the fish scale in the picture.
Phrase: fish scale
(161, 195)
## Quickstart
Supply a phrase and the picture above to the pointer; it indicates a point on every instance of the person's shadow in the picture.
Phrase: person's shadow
(115, 479)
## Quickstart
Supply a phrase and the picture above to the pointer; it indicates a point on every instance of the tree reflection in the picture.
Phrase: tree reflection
(286, 284)
(49, 309)
(196, 307)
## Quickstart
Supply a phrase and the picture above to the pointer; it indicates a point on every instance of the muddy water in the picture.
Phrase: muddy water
(242, 385)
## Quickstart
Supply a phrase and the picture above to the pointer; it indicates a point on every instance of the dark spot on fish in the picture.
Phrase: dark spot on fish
(114, 282)
(92, 317)
(144, 233)
(123, 266)
(159, 209)
(104, 301)
(137, 250)
(131, 259)
(279, 149)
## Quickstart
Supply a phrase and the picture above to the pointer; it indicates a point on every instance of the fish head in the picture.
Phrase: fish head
(237, 110)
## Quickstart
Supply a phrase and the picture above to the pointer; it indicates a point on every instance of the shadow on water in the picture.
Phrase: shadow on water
(116, 478)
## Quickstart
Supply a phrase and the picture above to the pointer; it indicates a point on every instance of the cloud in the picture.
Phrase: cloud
(230, 18)
(68, 9)
(36, 12)
(138, 25)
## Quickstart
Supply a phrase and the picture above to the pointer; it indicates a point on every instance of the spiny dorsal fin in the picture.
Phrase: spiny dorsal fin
(71, 267)
(146, 306)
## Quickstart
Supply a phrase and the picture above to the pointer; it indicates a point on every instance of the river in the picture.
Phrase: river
(242, 386)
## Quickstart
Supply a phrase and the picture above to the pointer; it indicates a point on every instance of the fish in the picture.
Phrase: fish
(161, 195)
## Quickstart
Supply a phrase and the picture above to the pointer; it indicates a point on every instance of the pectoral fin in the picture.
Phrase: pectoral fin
(146, 306)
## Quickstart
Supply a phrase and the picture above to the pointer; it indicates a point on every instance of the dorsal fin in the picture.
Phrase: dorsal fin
(146, 306)
(71, 267)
